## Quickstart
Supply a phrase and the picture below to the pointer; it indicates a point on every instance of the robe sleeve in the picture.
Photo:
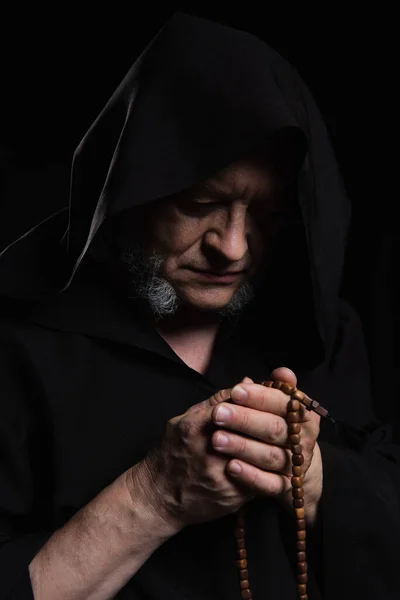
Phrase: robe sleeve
(356, 544)
(22, 513)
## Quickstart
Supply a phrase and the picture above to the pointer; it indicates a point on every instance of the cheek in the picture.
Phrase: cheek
(175, 236)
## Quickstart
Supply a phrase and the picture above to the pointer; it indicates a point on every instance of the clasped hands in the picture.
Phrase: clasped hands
(253, 430)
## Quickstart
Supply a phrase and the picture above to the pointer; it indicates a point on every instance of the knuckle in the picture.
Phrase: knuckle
(274, 457)
(220, 396)
(242, 446)
(277, 429)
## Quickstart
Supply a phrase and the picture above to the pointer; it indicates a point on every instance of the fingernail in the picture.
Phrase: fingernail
(235, 467)
(238, 393)
(222, 415)
(221, 440)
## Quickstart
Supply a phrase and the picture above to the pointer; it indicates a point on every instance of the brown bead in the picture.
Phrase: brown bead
(244, 584)
(239, 532)
(301, 545)
(287, 388)
(242, 564)
(297, 470)
(246, 594)
(297, 459)
(293, 405)
(294, 438)
(296, 482)
(298, 395)
(301, 588)
(303, 597)
(301, 557)
(301, 534)
(293, 417)
(243, 574)
(240, 543)
(302, 577)
(296, 449)
(300, 524)
(302, 567)
(277, 385)
(297, 492)
(294, 428)
(298, 502)
(243, 552)
(299, 512)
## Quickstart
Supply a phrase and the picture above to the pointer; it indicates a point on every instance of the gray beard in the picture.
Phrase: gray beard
(161, 296)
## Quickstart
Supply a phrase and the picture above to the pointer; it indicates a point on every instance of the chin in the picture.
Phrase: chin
(207, 301)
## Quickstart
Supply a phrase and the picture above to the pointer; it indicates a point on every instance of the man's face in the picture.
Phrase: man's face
(223, 226)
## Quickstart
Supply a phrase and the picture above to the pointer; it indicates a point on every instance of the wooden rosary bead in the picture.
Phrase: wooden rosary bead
(239, 532)
(294, 428)
(277, 385)
(246, 595)
(301, 534)
(288, 389)
(294, 438)
(296, 482)
(301, 588)
(303, 597)
(298, 459)
(293, 405)
(296, 449)
(297, 395)
(299, 512)
(297, 471)
(302, 567)
(293, 417)
(244, 584)
(298, 502)
(244, 574)
(242, 553)
(298, 493)
(242, 564)
(301, 545)
(300, 524)
(240, 543)
(301, 557)
(302, 577)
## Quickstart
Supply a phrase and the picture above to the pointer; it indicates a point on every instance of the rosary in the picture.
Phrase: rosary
(293, 419)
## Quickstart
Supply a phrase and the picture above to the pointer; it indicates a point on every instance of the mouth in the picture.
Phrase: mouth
(220, 277)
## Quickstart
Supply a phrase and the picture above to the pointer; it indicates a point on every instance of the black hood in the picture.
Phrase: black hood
(200, 96)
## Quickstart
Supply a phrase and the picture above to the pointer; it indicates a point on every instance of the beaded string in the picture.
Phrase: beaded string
(294, 429)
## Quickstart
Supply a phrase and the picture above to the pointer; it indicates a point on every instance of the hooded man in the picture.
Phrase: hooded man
(203, 247)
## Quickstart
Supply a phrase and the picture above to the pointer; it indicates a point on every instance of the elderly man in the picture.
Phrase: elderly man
(203, 255)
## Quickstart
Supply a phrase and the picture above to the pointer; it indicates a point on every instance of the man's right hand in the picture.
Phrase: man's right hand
(184, 480)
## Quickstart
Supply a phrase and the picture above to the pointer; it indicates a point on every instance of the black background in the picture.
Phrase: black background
(59, 67)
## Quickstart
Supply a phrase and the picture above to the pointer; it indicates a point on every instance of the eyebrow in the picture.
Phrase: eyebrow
(207, 188)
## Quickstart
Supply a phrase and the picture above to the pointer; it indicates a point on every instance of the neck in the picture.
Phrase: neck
(186, 320)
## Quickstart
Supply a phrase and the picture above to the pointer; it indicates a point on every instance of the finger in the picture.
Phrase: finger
(265, 426)
(284, 374)
(261, 398)
(264, 456)
(262, 482)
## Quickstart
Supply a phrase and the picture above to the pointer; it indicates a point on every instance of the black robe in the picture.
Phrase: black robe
(87, 384)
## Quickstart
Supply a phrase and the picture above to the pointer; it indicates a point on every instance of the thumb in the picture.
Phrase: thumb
(284, 374)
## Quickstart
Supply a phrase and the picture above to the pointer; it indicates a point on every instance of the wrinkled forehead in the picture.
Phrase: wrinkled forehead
(246, 177)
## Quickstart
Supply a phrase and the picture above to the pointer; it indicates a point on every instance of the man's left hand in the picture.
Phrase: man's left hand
(264, 456)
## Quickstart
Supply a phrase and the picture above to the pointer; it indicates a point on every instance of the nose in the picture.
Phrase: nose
(228, 236)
